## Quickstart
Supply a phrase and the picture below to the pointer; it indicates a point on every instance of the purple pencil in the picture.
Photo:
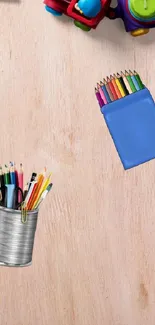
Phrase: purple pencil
(99, 98)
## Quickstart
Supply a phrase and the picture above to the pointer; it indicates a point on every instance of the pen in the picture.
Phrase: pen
(33, 177)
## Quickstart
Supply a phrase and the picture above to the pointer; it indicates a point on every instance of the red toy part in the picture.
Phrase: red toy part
(68, 7)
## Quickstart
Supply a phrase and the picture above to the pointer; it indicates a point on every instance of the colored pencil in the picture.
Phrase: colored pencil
(105, 92)
(111, 86)
(7, 176)
(139, 80)
(108, 90)
(119, 86)
(98, 96)
(134, 80)
(123, 84)
(116, 87)
(102, 93)
(37, 189)
(133, 88)
(43, 188)
(126, 83)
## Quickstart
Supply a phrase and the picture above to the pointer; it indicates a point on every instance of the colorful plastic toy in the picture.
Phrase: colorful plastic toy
(86, 13)
(138, 15)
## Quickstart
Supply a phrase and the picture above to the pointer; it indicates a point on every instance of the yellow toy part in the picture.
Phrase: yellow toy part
(139, 32)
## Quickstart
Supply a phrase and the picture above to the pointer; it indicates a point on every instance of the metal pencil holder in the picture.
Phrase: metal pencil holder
(17, 237)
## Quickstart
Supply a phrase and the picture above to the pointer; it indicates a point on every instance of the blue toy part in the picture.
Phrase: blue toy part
(90, 8)
(53, 12)
(131, 122)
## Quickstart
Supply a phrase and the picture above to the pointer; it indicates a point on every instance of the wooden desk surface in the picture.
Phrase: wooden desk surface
(94, 255)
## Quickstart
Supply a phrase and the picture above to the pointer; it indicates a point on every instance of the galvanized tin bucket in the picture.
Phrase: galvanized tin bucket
(16, 237)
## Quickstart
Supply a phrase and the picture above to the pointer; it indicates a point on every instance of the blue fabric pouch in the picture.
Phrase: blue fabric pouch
(131, 123)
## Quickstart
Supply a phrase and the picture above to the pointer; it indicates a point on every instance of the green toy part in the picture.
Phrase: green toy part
(143, 8)
(82, 26)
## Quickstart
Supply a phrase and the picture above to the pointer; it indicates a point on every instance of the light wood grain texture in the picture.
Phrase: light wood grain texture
(94, 255)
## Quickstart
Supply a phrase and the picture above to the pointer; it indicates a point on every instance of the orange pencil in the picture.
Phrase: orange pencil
(37, 189)
(112, 89)
(28, 205)
(115, 86)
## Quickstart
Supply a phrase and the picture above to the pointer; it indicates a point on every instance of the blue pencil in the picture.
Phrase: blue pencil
(105, 92)
(134, 80)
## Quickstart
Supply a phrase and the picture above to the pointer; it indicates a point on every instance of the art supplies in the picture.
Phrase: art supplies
(11, 188)
(130, 117)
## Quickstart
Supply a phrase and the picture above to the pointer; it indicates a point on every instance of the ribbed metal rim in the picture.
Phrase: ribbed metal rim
(18, 211)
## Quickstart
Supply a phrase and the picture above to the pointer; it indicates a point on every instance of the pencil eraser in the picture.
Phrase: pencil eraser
(131, 123)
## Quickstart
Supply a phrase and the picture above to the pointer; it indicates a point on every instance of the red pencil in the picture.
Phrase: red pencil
(111, 86)
(116, 88)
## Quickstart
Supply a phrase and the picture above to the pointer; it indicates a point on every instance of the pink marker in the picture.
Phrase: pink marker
(20, 183)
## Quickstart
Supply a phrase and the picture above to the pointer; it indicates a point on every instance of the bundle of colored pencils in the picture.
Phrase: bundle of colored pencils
(12, 193)
(118, 86)
(36, 190)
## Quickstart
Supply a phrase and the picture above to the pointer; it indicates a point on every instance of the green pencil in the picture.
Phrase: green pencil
(132, 86)
(141, 86)
(7, 176)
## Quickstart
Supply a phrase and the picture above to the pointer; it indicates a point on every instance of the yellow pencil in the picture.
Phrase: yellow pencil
(43, 188)
(119, 86)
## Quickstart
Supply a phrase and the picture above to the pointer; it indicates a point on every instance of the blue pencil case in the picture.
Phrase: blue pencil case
(131, 123)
